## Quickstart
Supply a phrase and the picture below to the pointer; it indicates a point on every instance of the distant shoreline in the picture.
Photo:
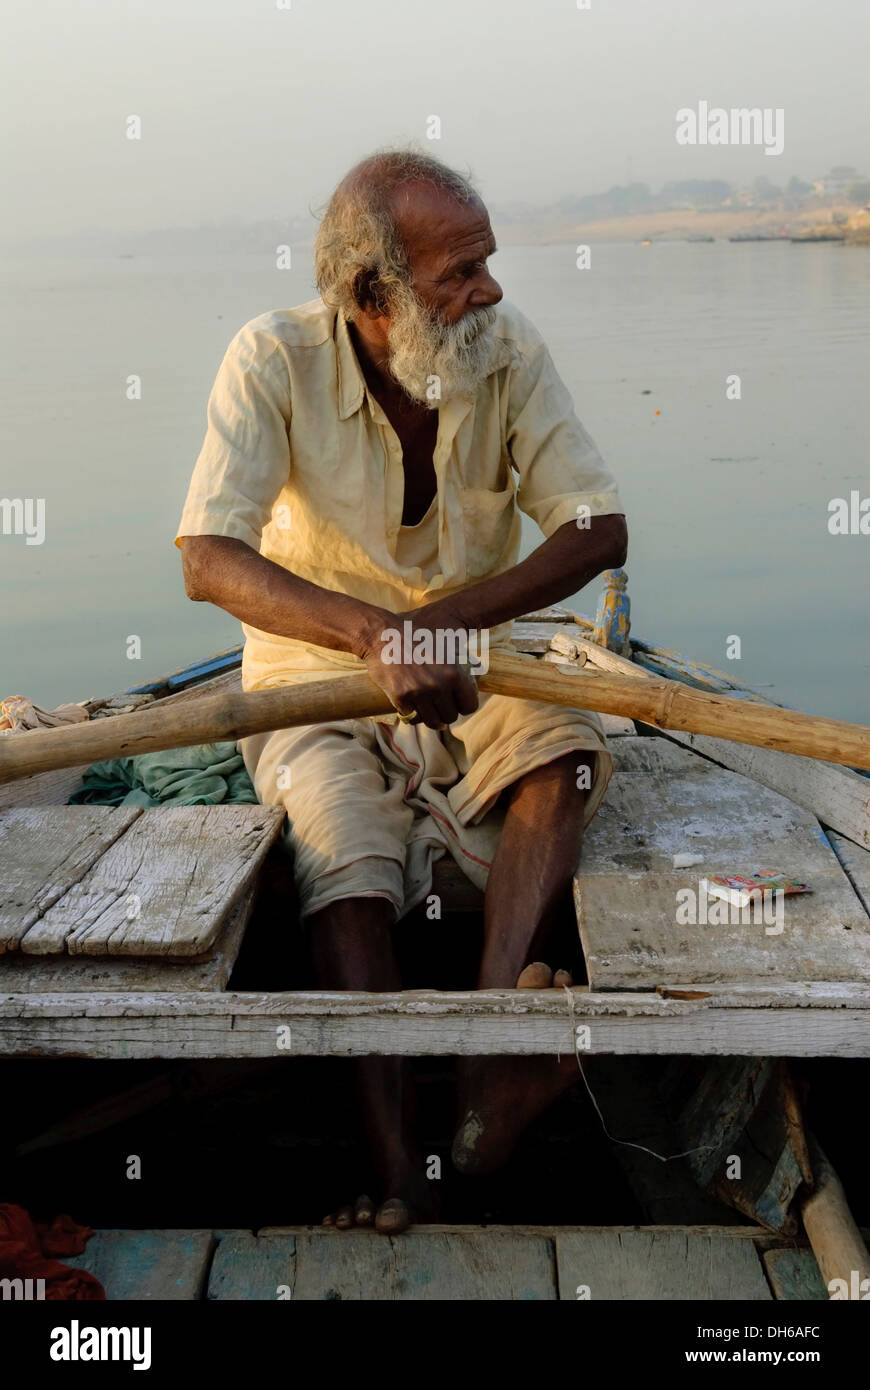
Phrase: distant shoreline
(675, 225)
(546, 228)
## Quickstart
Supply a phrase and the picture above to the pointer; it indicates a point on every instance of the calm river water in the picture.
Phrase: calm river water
(727, 499)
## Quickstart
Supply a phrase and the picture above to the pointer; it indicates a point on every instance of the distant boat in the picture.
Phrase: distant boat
(700, 238)
(646, 243)
(757, 236)
(821, 234)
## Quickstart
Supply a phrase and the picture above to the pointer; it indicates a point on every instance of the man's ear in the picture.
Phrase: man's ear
(368, 293)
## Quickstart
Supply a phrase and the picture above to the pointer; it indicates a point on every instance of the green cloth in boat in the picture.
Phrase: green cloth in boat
(205, 775)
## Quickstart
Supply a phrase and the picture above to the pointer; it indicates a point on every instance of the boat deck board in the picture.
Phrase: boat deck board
(662, 1266)
(794, 1276)
(452, 1263)
(799, 1021)
(159, 882)
(45, 854)
(94, 975)
(664, 801)
(139, 1266)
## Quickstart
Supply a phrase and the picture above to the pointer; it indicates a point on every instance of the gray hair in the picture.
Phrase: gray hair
(359, 252)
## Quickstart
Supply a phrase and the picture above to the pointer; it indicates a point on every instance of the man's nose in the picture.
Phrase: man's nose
(487, 291)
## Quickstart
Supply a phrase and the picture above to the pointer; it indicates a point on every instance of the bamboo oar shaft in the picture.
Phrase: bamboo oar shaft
(230, 715)
(837, 1243)
(233, 715)
(669, 705)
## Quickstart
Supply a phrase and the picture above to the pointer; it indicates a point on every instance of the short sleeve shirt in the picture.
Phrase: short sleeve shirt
(301, 463)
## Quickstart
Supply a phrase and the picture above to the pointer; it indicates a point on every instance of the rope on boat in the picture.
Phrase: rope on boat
(625, 1143)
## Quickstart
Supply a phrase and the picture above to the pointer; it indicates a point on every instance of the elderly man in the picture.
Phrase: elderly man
(366, 460)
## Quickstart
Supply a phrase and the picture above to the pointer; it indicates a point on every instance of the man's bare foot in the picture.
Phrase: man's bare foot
(535, 976)
(395, 1214)
(538, 975)
(391, 1218)
(501, 1096)
(505, 1094)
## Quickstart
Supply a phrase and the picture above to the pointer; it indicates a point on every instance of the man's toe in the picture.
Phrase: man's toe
(538, 975)
(364, 1211)
(393, 1217)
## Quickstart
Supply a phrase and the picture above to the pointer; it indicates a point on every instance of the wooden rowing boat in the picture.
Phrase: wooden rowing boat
(83, 976)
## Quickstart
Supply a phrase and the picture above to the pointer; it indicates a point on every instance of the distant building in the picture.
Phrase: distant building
(837, 182)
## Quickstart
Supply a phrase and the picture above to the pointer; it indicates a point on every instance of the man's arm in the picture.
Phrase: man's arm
(566, 562)
(230, 574)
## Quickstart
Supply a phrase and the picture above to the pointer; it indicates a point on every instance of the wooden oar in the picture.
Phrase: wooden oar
(664, 703)
(837, 1243)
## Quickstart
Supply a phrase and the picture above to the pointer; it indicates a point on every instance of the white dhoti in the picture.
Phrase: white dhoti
(372, 803)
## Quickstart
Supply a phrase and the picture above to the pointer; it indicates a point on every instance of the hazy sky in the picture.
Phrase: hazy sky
(253, 111)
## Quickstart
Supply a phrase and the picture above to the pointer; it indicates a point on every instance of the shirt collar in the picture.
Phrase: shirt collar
(351, 382)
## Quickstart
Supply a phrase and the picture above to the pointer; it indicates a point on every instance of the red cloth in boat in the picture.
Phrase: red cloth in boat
(27, 1251)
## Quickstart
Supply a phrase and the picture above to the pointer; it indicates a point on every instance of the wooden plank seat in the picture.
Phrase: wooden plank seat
(88, 890)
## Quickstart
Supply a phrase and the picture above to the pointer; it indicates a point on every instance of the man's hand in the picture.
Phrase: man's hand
(438, 692)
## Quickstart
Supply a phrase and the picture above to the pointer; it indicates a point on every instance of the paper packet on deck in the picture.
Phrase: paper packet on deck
(740, 889)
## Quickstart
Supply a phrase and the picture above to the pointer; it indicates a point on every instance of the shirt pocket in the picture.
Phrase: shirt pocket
(489, 518)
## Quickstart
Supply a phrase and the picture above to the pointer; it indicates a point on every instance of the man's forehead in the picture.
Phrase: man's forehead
(432, 221)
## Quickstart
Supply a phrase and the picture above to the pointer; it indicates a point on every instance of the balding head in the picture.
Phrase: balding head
(362, 249)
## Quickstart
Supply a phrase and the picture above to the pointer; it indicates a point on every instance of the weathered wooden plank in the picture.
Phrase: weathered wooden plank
(138, 1266)
(534, 636)
(776, 994)
(669, 1267)
(794, 1275)
(42, 788)
(837, 796)
(664, 661)
(856, 865)
(552, 615)
(663, 802)
(744, 1109)
(45, 853)
(556, 1004)
(182, 869)
(578, 649)
(754, 1234)
(246, 1268)
(248, 1025)
(22, 974)
(418, 1266)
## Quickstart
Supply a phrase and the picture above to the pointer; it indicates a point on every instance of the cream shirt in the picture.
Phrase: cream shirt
(300, 462)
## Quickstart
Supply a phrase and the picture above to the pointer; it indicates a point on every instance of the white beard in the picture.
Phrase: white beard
(422, 347)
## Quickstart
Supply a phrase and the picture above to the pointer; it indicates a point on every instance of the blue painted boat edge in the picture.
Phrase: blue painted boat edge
(189, 675)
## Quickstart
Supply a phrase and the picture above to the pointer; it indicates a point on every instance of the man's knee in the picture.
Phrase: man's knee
(571, 773)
